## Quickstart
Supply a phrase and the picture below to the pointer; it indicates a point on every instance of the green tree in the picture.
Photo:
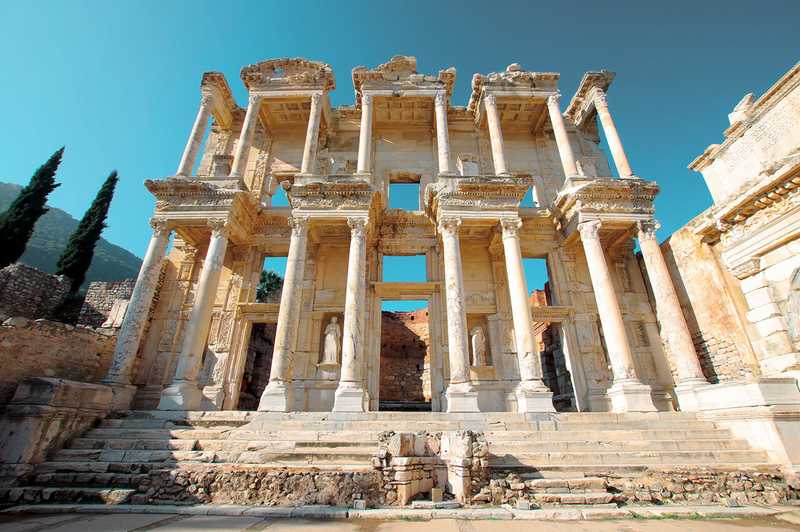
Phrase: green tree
(77, 256)
(16, 224)
(269, 283)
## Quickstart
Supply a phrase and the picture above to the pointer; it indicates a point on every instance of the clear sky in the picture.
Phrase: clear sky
(117, 82)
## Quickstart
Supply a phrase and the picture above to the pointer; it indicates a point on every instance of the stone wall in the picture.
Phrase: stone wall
(404, 356)
(710, 307)
(44, 348)
(31, 293)
(100, 298)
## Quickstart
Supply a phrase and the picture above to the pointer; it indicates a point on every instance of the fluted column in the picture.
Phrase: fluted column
(312, 135)
(460, 395)
(495, 135)
(627, 393)
(350, 395)
(442, 134)
(674, 328)
(612, 136)
(562, 139)
(183, 393)
(532, 394)
(277, 396)
(365, 135)
(246, 136)
(195, 137)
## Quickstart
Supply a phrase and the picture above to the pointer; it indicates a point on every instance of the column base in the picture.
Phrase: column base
(277, 397)
(686, 393)
(181, 395)
(122, 395)
(350, 398)
(462, 398)
(531, 399)
(630, 397)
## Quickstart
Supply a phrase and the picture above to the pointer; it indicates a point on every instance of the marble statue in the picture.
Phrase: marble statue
(478, 340)
(332, 341)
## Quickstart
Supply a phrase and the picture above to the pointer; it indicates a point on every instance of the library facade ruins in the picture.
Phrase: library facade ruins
(679, 355)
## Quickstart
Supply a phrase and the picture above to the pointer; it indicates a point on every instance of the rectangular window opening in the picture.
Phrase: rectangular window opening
(404, 196)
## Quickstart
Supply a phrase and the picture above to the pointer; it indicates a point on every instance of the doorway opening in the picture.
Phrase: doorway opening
(257, 365)
(405, 357)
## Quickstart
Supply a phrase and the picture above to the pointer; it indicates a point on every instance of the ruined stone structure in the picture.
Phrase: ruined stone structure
(678, 366)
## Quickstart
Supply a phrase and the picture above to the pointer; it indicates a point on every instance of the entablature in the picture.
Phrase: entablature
(581, 106)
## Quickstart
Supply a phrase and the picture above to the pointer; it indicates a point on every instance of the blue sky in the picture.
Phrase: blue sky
(117, 82)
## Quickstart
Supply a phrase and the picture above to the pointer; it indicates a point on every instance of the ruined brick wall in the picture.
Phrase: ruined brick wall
(43, 348)
(709, 306)
(100, 298)
(31, 293)
(404, 356)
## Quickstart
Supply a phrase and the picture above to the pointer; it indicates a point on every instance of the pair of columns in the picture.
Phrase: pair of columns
(364, 165)
(532, 394)
(560, 132)
(350, 395)
(627, 392)
(246, 136)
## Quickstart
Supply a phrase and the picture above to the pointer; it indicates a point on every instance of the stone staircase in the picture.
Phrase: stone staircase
(555, 459)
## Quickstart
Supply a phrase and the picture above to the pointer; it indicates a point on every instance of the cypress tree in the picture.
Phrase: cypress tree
(77, 256)
(16, 224)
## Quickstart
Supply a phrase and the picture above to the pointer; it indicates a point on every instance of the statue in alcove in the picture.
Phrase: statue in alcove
(332, 342)
(478, 341)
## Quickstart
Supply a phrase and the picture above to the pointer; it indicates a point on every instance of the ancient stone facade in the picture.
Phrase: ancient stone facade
(30, 293)
(100, 299)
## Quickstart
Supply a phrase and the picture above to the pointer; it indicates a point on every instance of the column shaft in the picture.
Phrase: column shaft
(457, 336)
(195, 137)
(365, 135)
(612, 136)
(668, 308)
(442, 134)
(277, 395)
(130, 333)
(495, 135)
(530, 366)
(312, 135)
(619, 351)
(246, 136)
(562, 139)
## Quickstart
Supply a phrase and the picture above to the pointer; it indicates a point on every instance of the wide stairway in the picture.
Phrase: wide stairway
(572, 450)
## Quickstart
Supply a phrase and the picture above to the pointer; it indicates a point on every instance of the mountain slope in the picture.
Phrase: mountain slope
(110, 262)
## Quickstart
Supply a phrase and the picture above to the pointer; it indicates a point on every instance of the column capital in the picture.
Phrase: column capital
(366, 99)
(589, 230)
(449, 225)
(316, 98)
(489, 99)
(299, 225)
(206, 99)
(440, 98)
(160, 225)
(253, 99)
(554, 100)
(599, 100)
(219, 227)
(510, 226)
(358, 225)
(646, 229)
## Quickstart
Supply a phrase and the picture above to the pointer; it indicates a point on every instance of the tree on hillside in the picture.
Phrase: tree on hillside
(16, 224)
(270, 283)
(77, 256)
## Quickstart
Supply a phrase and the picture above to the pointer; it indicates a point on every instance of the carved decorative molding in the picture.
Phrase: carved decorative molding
(589, 230)
(510, 226)
(449, 225)
(646, 230)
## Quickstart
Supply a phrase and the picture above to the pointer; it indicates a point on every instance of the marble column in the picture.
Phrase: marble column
(183, 393)
(673, 325)
(312, 135)
(195, 137)
(532, 394)
(627, 393)
(246, 136)
(350, 395)
(495, 135)
(612, 137)
(562, 139)
(365, 136)
(460, 394)
(442, 134)
(120, 373)
(277, 396)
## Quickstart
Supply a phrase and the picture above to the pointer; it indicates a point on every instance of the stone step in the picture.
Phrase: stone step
(307, 455)
(571, 485)
(131, 444)
(155, 434)
(168, 424)
(89, 479)
(657, 459)
(216, 445)
(570, 499)
(95, 467)
(515, 447)
(74, 494)
(496, 437)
